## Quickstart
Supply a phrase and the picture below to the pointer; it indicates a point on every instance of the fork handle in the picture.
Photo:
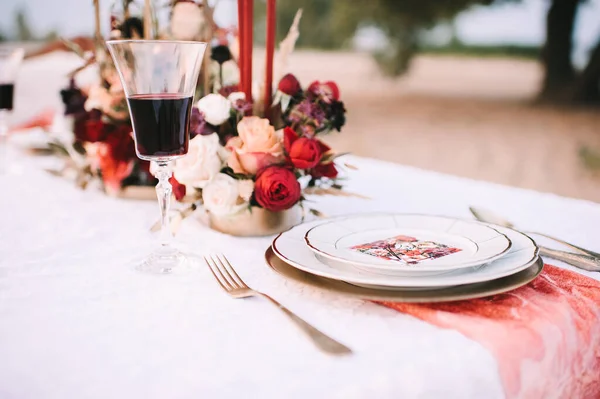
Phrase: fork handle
(568, 244)
(584, 262)
(322, 341)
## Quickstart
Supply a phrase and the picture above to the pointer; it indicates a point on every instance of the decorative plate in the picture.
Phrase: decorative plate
(290, 247)
(403, 244)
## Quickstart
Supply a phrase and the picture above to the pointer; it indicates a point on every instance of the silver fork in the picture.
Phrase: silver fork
(231, 282)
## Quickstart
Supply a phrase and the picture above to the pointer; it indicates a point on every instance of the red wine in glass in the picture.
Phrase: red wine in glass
(7, 91)
(160, 124)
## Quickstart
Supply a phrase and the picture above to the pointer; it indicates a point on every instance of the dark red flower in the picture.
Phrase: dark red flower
(307, 112)
(115, 156)
(90, 127)
(220, 53)
(336, 114)
(120, 142)
(178, 188)
(303, 152)
(242, 106)
(276, 188)
(328, 91)
(94, 130)
(197, 123)
(324, 170)
(225, 91)
(289, 85)
(73, 99)
(132, 27)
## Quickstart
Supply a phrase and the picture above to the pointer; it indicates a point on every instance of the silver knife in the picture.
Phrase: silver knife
(585, 262)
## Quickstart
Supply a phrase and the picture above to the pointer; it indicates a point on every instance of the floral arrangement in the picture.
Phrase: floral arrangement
(237, 161)
(245, 151)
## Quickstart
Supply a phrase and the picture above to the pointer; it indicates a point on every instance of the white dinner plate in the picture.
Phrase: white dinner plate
(406, 244)
(291, 248)
(429, 295)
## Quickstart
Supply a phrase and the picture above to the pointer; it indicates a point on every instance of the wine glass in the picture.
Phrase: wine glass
(159, 79)
(10, 60)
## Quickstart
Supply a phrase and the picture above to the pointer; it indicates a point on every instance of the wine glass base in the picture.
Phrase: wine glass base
(162, 261)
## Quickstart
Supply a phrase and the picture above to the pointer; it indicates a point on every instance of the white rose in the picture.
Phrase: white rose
(215, 107)
(236, 95)
(201, 163)
(246, 188)
(187, 21)
(221, 196)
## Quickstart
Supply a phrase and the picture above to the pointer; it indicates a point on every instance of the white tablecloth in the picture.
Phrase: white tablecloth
(76, 321)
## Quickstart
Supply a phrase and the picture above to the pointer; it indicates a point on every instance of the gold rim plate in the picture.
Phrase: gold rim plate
(448, 294)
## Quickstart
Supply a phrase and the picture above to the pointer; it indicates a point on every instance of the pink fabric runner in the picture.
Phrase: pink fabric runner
(545, 335)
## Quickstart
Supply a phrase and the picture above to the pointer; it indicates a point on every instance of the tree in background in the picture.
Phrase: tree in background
(332, 23)
(23, 31)
(562, 83)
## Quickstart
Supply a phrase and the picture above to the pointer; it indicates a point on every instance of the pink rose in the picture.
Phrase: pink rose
(257, 146)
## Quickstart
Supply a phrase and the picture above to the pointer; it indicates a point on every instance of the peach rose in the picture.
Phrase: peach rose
(258, 145)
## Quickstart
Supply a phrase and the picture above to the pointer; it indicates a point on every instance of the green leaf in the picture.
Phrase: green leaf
(590, 158)
(238, 176)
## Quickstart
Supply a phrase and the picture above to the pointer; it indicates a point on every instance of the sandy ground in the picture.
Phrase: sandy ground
(464, 116)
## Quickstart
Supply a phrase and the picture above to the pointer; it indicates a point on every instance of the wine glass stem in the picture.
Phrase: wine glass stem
(163, 192)
(3, 140)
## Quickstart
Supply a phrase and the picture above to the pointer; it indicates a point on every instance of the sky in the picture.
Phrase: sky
(513, 23)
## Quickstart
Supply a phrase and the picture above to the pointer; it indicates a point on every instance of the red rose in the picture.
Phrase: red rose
(289, 85)
(115, 156)
(276, 188)
(324, 170)
(122, 146)
(178, 188)
(303, 152)
(89, 127)
(329, 91)
(94, 130)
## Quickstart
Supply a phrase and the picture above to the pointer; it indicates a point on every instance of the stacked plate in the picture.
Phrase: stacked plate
(406, 257)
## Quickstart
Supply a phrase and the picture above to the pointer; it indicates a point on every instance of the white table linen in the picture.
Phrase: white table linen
(77, 321)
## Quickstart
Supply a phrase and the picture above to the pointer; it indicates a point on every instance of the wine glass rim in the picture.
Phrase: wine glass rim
(153, 41)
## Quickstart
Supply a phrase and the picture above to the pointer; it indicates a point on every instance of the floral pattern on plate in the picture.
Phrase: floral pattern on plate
(405, 249)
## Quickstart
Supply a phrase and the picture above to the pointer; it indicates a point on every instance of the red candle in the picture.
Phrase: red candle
(241, 47)
(270, 49)
(248, 43)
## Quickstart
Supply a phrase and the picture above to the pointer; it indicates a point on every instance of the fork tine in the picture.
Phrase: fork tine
(226, 272)
(223, 273)
(212, 268)
(233, 272)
